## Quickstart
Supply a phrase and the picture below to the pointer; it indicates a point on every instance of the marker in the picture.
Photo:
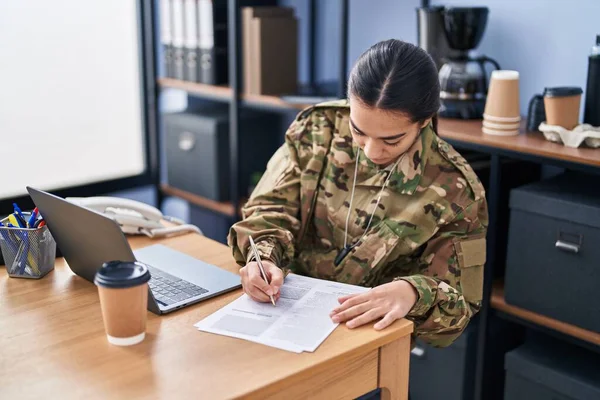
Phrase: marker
(14, 221)
(32, 218)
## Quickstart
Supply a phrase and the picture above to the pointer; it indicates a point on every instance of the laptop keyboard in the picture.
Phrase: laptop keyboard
(169, 289)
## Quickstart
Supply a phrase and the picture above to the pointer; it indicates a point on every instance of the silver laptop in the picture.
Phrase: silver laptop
(87, 239)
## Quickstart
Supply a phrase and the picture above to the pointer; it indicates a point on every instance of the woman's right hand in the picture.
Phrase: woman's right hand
(255, 286)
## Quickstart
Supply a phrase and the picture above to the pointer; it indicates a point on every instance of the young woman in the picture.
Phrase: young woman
(364, 192)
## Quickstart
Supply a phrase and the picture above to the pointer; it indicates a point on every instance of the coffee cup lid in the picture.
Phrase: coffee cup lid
(563, 91)
(505, 74)
(122, 274)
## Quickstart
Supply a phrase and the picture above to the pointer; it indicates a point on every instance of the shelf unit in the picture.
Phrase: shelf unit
(236, 99)
(527, 145)
(498, 302)
(224, 93)
(224, 208)
(233, 95)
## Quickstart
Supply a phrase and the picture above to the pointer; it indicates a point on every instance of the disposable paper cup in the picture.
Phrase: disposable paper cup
(562, 106)
(498, 132)
(501, 126)
(503, 95)
(501, 119)
(123, 290)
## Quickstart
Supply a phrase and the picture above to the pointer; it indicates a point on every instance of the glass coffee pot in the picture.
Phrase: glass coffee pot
(463, 78)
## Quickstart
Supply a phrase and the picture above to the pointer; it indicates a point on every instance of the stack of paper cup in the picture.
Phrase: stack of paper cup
(501, 115)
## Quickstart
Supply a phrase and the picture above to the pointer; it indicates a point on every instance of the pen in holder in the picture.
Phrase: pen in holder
(27, 252)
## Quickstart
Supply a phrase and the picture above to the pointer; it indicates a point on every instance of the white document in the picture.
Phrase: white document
(299, 322)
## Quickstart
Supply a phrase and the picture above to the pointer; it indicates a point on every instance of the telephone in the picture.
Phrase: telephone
(133, 217)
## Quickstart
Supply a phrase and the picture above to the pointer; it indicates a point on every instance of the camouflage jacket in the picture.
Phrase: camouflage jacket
(428, 230)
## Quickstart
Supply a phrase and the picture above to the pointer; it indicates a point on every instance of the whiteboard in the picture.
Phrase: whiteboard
(71, 107)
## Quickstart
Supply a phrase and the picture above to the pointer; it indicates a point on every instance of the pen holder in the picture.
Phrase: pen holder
(27, 253)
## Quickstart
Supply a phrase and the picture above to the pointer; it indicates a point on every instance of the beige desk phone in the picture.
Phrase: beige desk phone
(134, 217)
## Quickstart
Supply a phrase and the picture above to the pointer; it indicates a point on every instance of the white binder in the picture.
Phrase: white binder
(206, 41)
(166, 37)
(178, 38)
(191, 41)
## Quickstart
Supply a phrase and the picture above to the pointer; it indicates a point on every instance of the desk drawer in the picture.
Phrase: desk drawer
(350, 378)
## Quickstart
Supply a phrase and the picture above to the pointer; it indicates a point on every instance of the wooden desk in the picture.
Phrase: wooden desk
(52, 343)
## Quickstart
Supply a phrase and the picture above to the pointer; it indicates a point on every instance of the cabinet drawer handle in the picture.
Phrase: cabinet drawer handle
(186, 141)
(570, 247)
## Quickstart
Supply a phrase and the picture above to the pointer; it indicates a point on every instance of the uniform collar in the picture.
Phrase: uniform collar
(407, 174)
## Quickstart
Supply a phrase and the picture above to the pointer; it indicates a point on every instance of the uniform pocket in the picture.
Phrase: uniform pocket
(471, 256)
(371, 253)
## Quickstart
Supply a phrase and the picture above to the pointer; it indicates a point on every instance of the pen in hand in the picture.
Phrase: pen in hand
(260, 266)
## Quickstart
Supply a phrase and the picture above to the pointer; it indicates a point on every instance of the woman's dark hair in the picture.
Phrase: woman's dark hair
(397, 76)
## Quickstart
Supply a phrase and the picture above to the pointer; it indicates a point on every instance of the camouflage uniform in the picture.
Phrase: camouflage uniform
(428, 230)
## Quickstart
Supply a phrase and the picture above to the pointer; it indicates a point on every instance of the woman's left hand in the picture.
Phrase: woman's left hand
(390, 301)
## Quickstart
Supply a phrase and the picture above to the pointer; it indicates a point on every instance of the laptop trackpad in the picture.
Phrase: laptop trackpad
(176, 263)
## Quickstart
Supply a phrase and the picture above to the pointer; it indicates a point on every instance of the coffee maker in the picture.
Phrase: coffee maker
(431, 35)
(463, 78)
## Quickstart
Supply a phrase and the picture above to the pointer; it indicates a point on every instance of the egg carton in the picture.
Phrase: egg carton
(572, 138)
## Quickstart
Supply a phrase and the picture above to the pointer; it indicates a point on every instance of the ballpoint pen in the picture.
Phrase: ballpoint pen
(7, 237)
(12, 237)
(19, 215)
(259, 262)
(32, 219)
(15, 245)
(16, 265)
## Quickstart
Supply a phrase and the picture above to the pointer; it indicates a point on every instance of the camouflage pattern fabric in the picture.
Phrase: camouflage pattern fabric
(428, 230)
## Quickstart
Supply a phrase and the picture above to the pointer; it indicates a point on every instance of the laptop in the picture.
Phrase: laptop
(87, 239)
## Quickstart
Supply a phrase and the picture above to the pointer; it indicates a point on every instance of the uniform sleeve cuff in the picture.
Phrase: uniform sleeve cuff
(426, 294)
(269, 250)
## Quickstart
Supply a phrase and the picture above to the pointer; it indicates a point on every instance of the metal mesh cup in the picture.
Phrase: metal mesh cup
(28, 253)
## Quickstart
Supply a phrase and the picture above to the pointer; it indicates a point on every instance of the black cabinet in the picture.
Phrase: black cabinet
(548, 369)
(553, 262)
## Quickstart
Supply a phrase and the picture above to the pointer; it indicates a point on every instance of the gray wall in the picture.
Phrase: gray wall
(547, 41)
